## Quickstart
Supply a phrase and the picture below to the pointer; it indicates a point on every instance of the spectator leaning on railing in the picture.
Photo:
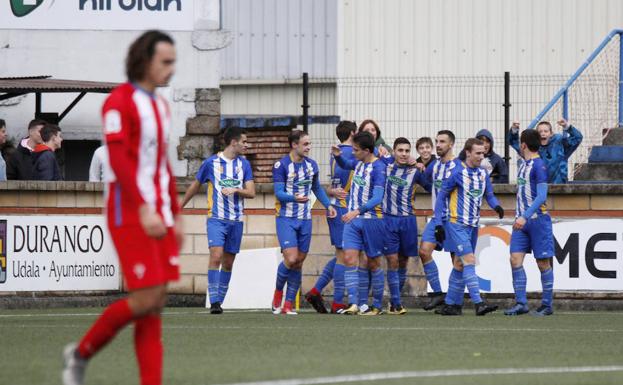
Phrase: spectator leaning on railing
(2, 141)
(556, 149)
(45, 166)
(19, 165)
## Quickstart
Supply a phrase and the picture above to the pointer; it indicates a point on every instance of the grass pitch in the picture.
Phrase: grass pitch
(239, 347)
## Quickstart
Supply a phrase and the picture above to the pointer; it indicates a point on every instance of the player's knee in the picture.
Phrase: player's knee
(543, 264)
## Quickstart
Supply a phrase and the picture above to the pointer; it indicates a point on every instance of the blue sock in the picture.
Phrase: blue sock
(364, 286)
(402, 278)
(223, 284)
(394, 287)
(471, 281)
(282, 276)
(432, 276)
(455, 288)
(351, 280)
(294, 283)
(213, 279)
(519, 284)
(547, 281)
(378, 286)
(325, 277)
(338, 283)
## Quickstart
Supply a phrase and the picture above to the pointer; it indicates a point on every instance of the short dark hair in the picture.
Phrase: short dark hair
(295, 136)
(2, 123)
(35, 123)
(233, 133)
(423, 140)
(545, 123)
(48, 131)
(471, 142)
(344, 129)
(365, 141)
(532, 139)
(375, 124)
(401, 140)
(142, 51)
(449, 133)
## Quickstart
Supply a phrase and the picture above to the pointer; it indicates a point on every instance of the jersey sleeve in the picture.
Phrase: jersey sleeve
(246, 171)
(205, 172)
(378, 177)
(539, 173)
(280, 174)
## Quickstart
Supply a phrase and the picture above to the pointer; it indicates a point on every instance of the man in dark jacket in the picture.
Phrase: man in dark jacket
(493, 163)
(19, 164)
(45, 166)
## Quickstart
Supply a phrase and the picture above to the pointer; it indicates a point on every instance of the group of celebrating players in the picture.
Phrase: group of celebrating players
(370, 213)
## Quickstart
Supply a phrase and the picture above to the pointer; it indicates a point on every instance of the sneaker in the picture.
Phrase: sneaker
(351, 309)
(315, 299)
(396, 310)
(436, 299)
(287, 309)
(337, 308)
(364, 308)
(372, 311)
(74, 365)
(276, 306)
(483, 308)
(518, 309)
(216, 308)
(450, 310)
(543, 311)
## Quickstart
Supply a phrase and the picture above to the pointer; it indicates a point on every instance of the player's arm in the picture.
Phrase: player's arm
(322, 196)
(571, 137)
(541, 196)
(491, 199)
(441, 203)
(204, 175)
(423, 180)
(190, 193)
(428, 173)
(513, 137)
(346, 164)
(248, 187)
(279, 181)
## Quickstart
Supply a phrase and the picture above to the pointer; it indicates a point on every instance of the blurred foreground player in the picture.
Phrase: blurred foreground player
(142, 210)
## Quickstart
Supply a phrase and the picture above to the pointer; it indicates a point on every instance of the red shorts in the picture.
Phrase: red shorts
(145, 261)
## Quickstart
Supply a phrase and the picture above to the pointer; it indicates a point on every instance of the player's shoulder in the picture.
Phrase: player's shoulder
(208, 162)
(119, 96)
(283, 162)
(310, 162)
(244, 161)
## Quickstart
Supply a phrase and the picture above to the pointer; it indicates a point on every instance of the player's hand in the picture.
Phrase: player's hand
(563, 123)
(383, 152)
(335, 150)
(515, 126)
(500, 211)
(339, 193)
(520, 222)
(178, 230)
(300, 198)
(152, 223)
(420, 166)
(349, 216)
(227, 191)
(412, 161)
(331, 212)
(440, 234)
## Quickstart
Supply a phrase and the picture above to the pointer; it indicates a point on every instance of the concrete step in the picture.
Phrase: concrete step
(598, 171)
(613, 137)
(606, 154)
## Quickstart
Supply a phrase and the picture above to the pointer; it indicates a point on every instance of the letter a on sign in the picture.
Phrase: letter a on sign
(24, 7)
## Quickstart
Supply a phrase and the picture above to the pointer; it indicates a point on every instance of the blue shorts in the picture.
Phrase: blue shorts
(429, 236)
(294, 232)
(400, 235)
(365, 234)
(224, 233)
(336, 227)
(536, 237)
(464, 238)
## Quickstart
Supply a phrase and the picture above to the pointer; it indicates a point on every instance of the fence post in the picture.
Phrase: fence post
(565, 105)
(620, 80)
(507, 115)
(305, 104)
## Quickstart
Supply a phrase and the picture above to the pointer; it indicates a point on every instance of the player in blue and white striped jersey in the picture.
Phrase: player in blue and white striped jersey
(295, 176)
(230, 179)
(532, 230)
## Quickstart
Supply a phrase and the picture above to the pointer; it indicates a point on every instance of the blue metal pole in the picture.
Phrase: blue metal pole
(565, 105)
(620, 79)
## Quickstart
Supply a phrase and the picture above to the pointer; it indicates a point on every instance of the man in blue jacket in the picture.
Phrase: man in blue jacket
(555, 150)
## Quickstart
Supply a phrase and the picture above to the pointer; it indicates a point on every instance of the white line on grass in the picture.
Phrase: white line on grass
(432, 374)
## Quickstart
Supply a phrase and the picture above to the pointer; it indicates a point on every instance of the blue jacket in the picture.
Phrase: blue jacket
(499, 170)
(556, 153)
(45, 166)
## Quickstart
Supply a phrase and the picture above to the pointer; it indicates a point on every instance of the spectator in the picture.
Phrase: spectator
(493, 163)
(98, 169)
(45, 166)
(19, 165)
(424, 148)
(372, 127)
(555, 150)
(2, 141)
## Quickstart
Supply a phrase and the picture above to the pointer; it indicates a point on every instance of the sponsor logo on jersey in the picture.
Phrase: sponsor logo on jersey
(229, 183)
(475, 192)
(303, 182)
(521, 182)
(397, 181)
(359, 181)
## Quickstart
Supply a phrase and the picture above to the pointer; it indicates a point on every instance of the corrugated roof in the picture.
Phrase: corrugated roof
(38, 84)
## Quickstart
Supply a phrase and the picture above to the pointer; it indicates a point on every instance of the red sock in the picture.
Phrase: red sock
(115, 317)
(314, 291)
(336, 306)
(148, 347)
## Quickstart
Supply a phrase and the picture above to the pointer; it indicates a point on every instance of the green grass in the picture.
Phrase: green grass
(241, 347)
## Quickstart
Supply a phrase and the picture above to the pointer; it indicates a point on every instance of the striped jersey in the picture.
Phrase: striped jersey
(366, 177)
(399, 198)
(298, 178)
(436, 172)
(341, 177)
(219, 173)
(465, 188)
(531, 173)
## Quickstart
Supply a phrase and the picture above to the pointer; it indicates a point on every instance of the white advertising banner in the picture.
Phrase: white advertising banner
(57, 253)
(170, 15)
(589, 257)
